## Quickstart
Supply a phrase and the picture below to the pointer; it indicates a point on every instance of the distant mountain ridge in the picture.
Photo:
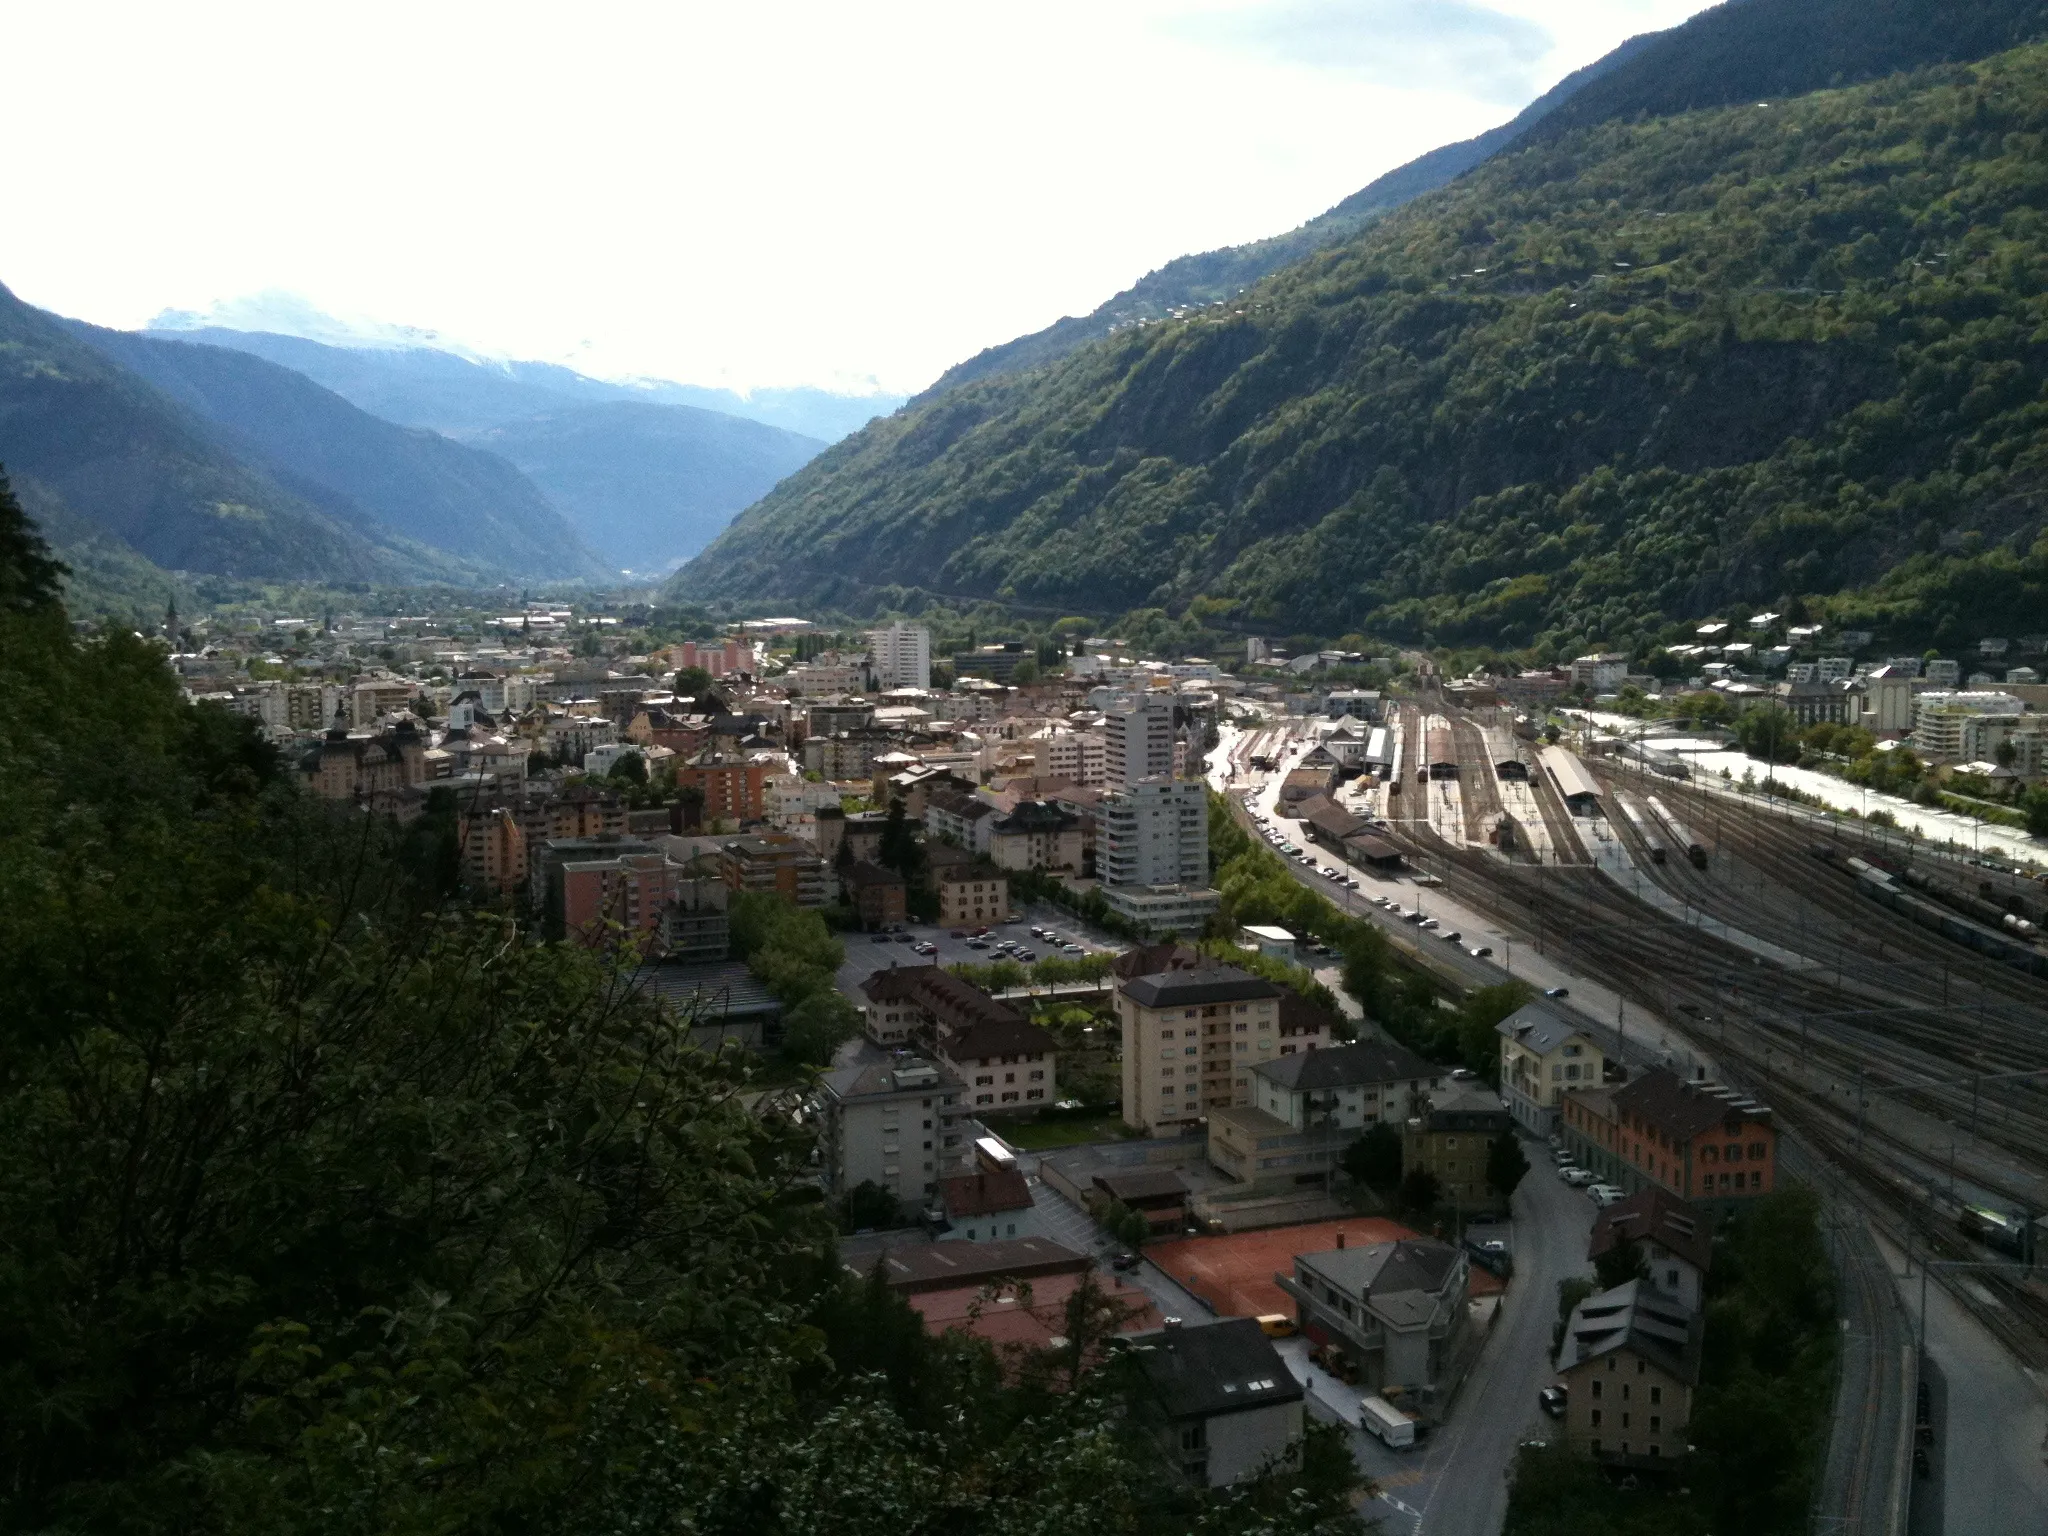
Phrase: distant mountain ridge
(450, 390)
(418, 484)
(89, 444)
(645, 481)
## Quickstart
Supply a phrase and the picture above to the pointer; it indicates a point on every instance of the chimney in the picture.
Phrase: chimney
(1340, 1239)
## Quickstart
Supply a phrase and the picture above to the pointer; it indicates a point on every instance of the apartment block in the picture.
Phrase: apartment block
(1188, 1038)
(893, 1124)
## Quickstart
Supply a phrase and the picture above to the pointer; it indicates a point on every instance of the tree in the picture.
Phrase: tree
(1374, 1159)
(1624, 1262)
(1569, 1294)
(631, 767)
(1420, 1190)
(2035, 807)
(690, 682)
(29, 578)
(1506, 1164)
(1478, 1045)
(690, 799)
(817, 1026)
(900, 849)
(867, 1205)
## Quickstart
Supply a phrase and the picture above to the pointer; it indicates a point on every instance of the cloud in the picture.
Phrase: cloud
(1447, 45)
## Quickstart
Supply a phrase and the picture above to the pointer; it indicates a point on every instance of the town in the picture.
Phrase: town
(1419, 1055)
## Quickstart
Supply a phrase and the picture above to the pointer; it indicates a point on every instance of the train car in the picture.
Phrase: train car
(1681, 835)
(2005, 947)
(1644, 828)
(1996, 1229)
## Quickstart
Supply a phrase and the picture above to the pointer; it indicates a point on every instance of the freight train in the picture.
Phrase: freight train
(2000, 943)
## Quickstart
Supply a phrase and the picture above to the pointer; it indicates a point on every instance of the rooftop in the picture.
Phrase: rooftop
(1346, 1066)
(1637, 1317)
(940, 1266)
(1203, 984)
(1655, 1215)
(1220, 1368)
(1683, 1108)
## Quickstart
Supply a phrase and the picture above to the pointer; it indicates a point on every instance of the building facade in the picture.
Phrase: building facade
(1702, 1142)
(902, 655)
(778, 862)
(1542, 1056)
(1451, 1139)
(1395, 1311)
(894, 1125)
(1187, 1042)
(1155, 833)
(1630, 1361)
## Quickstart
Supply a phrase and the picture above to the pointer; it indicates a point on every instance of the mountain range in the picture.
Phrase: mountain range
(1681, 346)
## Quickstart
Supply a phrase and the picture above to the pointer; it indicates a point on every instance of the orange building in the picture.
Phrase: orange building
(493, 850)
(735, 788)
(631, 890)
(1703, 1142)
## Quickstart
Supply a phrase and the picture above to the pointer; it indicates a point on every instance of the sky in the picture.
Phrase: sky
(851, 196)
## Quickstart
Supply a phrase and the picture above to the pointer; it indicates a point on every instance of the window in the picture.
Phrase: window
(984, 1098)
(980, 1082)
(1596, 1447)
(1642, 1368)
(1710, 1154)
(1242, 1028)
(1733, 1152)
(1624, 1391)
(1596, 1422)
(1758, 1151)
(1624, 1420)
(1656, 1396)
(1557, 1074)
(1656, 1421)
(1038, 1076)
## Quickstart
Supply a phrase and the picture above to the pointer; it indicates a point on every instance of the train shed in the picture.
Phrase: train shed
(1581, 795)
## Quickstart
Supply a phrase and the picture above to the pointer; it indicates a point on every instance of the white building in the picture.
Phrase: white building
(894, 1124)
(1947, 725)
(902, 655)
(1603, 673)
(1154, 833)
(1137, 740)
(1079, 757)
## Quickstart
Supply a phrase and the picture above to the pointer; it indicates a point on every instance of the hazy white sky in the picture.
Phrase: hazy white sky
(848, 194)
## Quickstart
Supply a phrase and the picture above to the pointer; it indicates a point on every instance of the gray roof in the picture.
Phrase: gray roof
(1207, 984)
(1465, 1106)
(1639, 1317)
(943, 1266)
(877, 1079)
(1223, 1367)
(1346, 1066)
(1537, 1027)
(721, 989)
(1403, 1282)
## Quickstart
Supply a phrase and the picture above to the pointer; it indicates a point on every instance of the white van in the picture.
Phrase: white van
(1378, 1417)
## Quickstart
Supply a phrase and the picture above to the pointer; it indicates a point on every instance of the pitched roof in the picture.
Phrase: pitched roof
(940, 1266)
(1223, 1367)
(1198, 984)
(1537, 1027)
(1298, 1015)
(1151, 959)
(1346, 1066)
(983, 1193)
(1131, 1184)
(956, 1003)
(1639, 1317)
(862, 875)
(1685, 1109)
(1657, 1216)
(1404, 1282)
(1336, 822)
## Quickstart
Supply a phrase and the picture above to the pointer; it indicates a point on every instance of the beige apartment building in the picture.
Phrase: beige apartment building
(1190, 1040)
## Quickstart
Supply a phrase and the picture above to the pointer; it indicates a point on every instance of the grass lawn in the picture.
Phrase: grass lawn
(1046, 1135)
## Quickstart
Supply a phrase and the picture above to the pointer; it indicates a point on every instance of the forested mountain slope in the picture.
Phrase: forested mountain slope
(1742, 50)
(78, 431)
(1637, 371)
(419, 484)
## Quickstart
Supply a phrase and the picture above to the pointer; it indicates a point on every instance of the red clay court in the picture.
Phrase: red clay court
(1234, 1273)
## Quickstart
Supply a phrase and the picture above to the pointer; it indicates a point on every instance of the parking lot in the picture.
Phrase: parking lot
(867, 953)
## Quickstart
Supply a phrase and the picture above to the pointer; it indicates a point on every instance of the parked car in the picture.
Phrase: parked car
(904, 938)
(1481, 951)
(880, 938)
(1606, 1194)
(977, 943)
(1578, 1177)
(1553, 1400)
(1072, 949)
(1453, 937)
(957, 933)
(1557, 991)
(1125, 1262)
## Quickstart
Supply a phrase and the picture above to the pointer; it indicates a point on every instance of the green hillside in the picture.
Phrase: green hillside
(79, 432)
(1638, 371)
(415, 483)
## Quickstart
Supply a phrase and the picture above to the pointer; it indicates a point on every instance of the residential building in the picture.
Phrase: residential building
(1675, 1240)
(1451, 1140)
(922, 1268)
(616, 898)
(1817, 703)
(893, 1124)
(1396, 1312)
(1630, 1361)
(1834, 669)
(1160, 1195)
(1004, 1061)
(778, 862)
(1541, 1056)
(1700, 1141)
(1138, 739)
(1941, 718)
(972, 892)
(734, 785)
(1155, 833)
(1602, 673)
(1943, 673)
(1036, 835)
(573, 737)
(902, 655)
(367, 768)
(988, 1205)
(375, 697)
(1180, 1039)
(491, 848)
(1886, 699)
(878, 896)
(1306, 1107)
(1221, 1401)
(696, 927)
(720, 658)
(860, 832)
(1164, 908)
(1079, 757)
